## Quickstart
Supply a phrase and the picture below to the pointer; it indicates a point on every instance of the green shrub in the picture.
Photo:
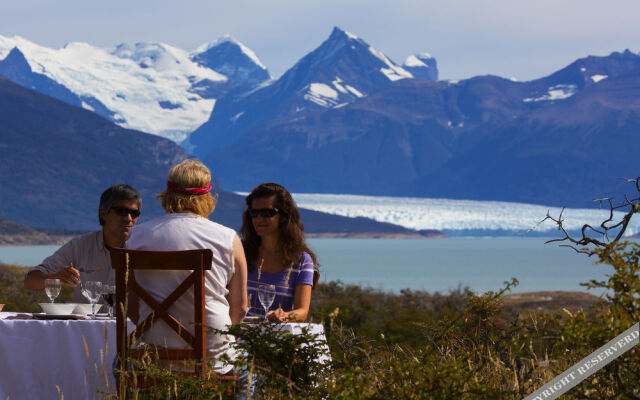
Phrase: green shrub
(18, 299)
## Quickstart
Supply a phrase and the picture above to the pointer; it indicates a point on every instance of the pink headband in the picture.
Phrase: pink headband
(201, 190)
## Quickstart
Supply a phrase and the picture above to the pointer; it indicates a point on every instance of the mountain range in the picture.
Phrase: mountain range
(57, 159)
(348, 119)
(557, 140)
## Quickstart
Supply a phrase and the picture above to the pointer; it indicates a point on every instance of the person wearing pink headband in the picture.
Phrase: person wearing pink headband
(194, 191)
(188, 202)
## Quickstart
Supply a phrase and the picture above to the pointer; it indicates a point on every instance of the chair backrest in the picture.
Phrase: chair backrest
(125, 262)
(316, 278)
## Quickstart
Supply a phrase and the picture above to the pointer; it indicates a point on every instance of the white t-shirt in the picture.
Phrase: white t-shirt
(188, 231)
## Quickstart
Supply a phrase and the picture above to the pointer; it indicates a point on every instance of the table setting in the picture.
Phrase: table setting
(67, 349)
(266, 296)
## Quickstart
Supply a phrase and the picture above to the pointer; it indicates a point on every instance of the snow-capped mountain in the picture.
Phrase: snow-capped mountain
(151, 87)
(341, 70)
(232, 59)
(422, 66)
(559, 140)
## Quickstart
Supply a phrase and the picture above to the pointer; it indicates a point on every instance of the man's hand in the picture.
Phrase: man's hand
(68, 276)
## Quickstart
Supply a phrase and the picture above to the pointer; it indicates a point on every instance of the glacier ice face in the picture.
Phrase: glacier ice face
(452, 215)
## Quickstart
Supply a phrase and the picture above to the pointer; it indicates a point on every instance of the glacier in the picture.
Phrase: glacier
(456, 215)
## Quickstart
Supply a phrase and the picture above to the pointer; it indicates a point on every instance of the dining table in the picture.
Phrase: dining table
(55, 358)
(71, 358)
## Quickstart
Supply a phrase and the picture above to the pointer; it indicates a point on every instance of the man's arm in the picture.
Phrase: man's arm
(237, 296)
(68, 276)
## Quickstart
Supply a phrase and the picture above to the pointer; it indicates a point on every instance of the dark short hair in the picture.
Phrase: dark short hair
(117, 193)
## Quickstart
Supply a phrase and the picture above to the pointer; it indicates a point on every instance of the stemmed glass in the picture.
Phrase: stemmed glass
(109, 294)
(52, 288)
(266, 295)
(92, 290)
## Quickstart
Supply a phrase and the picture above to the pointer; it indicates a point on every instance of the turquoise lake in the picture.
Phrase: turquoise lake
(429, 264)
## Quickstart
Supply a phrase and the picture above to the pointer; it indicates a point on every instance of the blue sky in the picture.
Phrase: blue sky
(524, 39)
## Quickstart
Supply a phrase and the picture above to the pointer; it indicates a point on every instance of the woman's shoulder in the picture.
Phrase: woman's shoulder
(305, 261)
(306, 257)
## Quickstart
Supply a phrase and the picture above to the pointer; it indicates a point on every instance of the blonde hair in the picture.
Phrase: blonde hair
(188, 174)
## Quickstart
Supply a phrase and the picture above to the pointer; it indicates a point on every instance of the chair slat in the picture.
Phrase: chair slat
(125, 262)
(159, 313)
(168, 260)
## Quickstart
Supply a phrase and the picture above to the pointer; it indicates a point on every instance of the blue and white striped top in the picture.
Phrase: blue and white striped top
(285, 282)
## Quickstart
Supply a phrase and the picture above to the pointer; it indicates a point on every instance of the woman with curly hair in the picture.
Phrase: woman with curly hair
(277, 253)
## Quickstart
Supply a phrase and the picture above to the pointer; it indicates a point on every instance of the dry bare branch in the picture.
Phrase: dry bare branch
(607, 227)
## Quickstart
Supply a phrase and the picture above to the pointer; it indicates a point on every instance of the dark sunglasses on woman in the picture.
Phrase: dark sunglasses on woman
(263, 212)
(123, 211)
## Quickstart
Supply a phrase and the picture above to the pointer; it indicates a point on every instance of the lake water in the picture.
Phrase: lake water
(428, 264)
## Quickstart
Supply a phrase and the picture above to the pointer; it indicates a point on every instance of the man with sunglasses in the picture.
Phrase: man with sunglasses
(86, 258)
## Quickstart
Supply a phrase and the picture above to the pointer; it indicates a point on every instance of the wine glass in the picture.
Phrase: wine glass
(92, 290)
(109, 294)
(52, 288)
(266, 295)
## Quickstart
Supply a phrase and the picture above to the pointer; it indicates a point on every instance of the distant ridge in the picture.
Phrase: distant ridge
(15, 234)
(58, 159)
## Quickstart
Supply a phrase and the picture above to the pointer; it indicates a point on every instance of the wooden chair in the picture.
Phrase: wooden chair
(316, 277)
(125, 262)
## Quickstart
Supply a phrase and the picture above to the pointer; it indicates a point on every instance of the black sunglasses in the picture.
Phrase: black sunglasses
(123, 211)
(263, 212)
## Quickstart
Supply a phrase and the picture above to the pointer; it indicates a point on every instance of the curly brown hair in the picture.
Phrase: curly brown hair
(291, 229)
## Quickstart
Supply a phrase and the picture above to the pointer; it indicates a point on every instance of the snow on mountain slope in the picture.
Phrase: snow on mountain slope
(233, 59)
(149, 86)
(558, 92)
(422, 66)
(391, 70)
(341, 70)
(228, 39)
(453, 215)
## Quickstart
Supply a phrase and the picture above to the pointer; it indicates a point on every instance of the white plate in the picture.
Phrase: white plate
(58, 308)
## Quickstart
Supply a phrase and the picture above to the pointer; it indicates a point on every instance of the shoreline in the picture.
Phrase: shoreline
(374, 236)
(62, 239)
(50, 241)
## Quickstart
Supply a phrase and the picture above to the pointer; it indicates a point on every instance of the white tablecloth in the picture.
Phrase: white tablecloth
(38, 356)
